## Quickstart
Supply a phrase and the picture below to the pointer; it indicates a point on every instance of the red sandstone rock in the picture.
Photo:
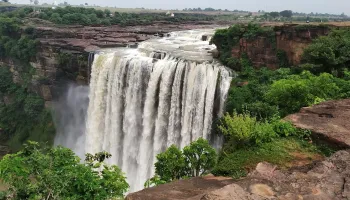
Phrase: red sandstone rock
(289, 38)
(326, 180)
(329, 120)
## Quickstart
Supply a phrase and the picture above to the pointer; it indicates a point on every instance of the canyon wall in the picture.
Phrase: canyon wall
(291, 39)
(63, 52)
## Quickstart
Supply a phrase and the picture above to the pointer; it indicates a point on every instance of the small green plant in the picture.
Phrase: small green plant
(243, 129)
(154, 181)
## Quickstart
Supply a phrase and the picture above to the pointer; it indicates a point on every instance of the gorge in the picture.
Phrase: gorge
(167, 91)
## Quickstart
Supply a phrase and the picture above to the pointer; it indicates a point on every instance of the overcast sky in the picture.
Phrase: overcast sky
(321, 6)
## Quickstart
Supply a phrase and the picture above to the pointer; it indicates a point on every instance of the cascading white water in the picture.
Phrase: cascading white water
(70, 116)
(167, 91)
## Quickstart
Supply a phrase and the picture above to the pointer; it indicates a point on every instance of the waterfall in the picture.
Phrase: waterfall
(141, 101)
(69, 118)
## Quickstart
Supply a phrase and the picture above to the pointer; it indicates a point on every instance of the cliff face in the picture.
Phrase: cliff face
(291, 39)
(63, 52)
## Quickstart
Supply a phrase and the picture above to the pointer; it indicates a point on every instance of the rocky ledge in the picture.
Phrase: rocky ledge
(328, 121)
(326, 180)
(87, 39)
(321, 180)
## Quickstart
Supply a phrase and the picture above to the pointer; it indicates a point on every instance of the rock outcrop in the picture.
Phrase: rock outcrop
(326, 180)
(328, 120)
(87, 39)
(291, 39)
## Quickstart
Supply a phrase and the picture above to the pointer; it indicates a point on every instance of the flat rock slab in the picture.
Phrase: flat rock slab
(326, 180)
(329, 120)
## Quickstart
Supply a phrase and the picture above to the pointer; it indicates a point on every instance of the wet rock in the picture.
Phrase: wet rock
(204, 37)
(215, 53)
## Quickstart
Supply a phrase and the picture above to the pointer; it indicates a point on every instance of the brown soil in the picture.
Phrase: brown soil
(303, 159)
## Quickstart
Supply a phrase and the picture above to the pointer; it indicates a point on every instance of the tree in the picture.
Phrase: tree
(56, 18)
(286, 13)
(5, 1)
(170, 164)
(36, 2)
(173, 164)
(330, 53)
(107, 13)
(298, 91)
(57, 173)
(200, 157)
(274, 14)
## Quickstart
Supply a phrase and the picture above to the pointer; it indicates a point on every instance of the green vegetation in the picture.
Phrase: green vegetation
(281, 151)
(330, 53)
(225, 39)
(57, 173)
(259, 98)
(91, 16)
(196, 159)
(14, 44)
(22, 115)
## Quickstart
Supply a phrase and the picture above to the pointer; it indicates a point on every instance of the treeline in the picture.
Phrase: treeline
(14, 42)
(91, 16)
(205, 9)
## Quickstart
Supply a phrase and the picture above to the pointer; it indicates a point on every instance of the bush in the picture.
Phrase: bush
(170, 164)
(33, 106)
(5, 80)
(243, 129)
(330, 53)
(200, 157)
(283, 128)
(196, 159)
(57, 173)
(299, 91)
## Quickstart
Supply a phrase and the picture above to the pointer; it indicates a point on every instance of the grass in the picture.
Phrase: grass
(283, 152)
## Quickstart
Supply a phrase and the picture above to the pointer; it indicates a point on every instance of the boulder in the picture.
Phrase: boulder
(328, 121)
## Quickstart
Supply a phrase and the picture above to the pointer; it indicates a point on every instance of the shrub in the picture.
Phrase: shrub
(200, 157)
(243, 129)
(301, 90)
(170, 165)
(57, 173)
(5, 80)
(196, 159)
(283, 128)
(33, 106)
(330, 52)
